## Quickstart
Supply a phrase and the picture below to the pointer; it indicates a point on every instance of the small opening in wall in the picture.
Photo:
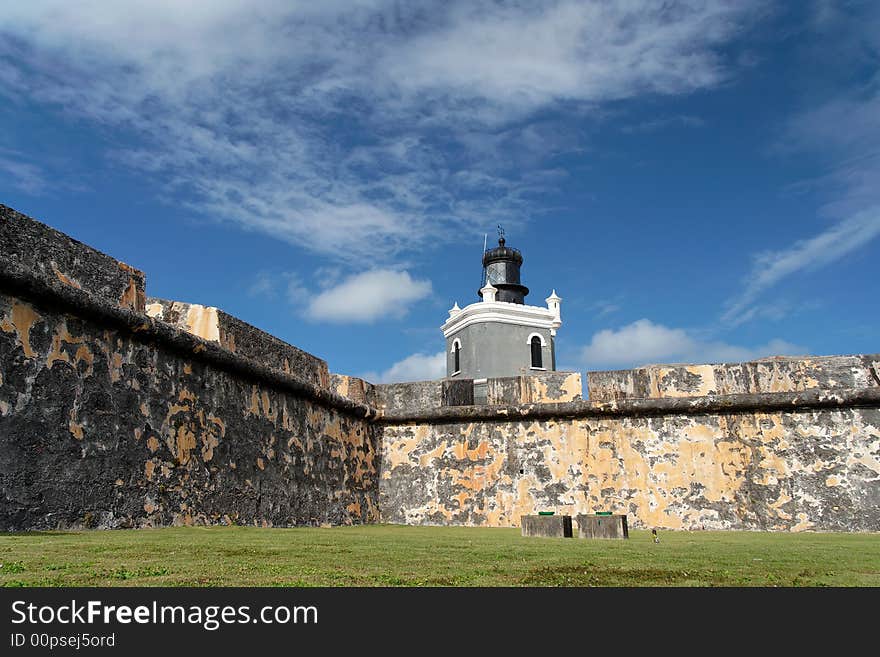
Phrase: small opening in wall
(537, 358)
(521, 471)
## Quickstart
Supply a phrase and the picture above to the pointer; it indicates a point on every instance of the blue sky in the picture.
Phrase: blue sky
(699, 181)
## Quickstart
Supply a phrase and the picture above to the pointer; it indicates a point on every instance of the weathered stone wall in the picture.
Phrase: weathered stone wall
(548, 387)
(399, 397)
(426, 396)
(790, 468)
(240, 337)
(351, 387)
(37, 250)
(778, 374)
(111, 418)
(119, 413)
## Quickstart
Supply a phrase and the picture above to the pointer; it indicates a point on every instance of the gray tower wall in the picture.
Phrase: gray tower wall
(493, 349)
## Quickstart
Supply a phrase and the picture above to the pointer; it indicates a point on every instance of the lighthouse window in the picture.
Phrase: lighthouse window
(537, 360)
(456, 357)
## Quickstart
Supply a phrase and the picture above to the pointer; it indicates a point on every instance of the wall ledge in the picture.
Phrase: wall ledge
(721, 404)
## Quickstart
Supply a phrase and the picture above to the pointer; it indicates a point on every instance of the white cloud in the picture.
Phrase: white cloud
(417, 367)
(369, 296)
(829, 246)
(643, 342)
(498, 61)
(347, 128)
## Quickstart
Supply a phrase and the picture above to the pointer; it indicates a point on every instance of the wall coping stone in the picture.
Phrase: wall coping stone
(723, 404)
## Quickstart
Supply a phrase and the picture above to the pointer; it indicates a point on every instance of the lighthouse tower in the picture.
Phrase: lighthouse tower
(500, 335)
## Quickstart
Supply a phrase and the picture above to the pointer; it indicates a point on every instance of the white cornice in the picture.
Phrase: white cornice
(502, 312)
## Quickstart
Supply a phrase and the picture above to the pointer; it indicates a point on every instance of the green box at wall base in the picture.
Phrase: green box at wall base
(602, 526)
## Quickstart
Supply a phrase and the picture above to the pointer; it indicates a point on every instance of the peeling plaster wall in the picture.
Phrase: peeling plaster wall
(111, 418)
(778, 374)
(775, 471)
(551, 387)
(425, 396)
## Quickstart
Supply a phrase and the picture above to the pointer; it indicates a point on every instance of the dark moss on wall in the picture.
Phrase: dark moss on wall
(110, 418)
(102, 428)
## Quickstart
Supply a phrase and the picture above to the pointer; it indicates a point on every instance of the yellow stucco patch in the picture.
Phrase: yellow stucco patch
(115, 364)
(803, 524)
(437, 452)
(67, 280)
(184, 443)
(21, 320)
(76, 430)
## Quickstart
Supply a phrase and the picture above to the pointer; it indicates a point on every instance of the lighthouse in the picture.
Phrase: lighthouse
(500, 335)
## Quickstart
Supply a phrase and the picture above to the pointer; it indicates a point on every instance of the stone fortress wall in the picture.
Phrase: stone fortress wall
(119, 410)
(804, 456)
(111, 417)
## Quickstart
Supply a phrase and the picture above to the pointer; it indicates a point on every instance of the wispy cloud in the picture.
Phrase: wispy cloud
(644, 342)
(770, 267)
(26, 176)
(844, 134)
(264, 285)
(604, 307)
(272, 285)
(662, 123)
(351, 129)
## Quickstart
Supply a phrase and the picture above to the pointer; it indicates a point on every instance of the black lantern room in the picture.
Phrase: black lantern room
(501, 269)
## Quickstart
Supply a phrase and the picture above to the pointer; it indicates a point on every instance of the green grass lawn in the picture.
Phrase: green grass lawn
(389, 555)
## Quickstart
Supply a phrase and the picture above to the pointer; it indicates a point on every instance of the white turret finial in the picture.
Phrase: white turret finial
(553, 304)
(454, 310)
(489, 292)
